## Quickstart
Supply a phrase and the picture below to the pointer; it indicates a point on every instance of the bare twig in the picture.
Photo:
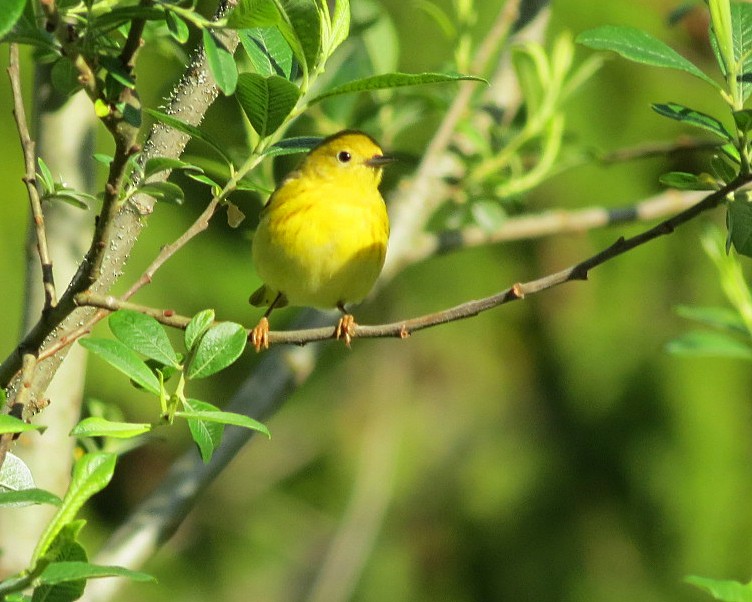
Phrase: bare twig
(133, 41)
(198, 226)
(403, 328)
(28, 146)
(109, 303)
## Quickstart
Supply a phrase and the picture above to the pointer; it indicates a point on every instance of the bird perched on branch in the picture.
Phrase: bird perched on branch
(322, 236)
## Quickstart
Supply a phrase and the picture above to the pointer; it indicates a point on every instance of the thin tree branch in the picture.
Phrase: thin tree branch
(28, 146)
(133, 41)
(403, 328)
(198, 226)
(532, 226)
(520, 228)
(109, 303)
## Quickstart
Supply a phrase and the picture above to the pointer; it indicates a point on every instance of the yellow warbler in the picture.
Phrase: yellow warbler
(322, 236)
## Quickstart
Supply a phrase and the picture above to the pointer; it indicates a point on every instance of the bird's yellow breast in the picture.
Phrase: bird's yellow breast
(322, 241)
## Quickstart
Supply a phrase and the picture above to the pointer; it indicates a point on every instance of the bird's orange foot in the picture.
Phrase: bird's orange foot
(260, 335)
(346, 328)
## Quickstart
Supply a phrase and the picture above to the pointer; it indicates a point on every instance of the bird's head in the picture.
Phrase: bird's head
(350, 156)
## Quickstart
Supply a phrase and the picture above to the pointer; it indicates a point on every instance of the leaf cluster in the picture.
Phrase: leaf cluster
(209, 348)
(59, 566)
(729, 32)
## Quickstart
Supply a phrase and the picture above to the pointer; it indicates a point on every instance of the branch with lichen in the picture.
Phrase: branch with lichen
(120, 224)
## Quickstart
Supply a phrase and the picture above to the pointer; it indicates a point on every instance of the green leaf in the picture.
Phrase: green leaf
(715, 317)
(731, 152)
(191, 130)
(249, 14)
(65, 548)
(727, 591)
(164, 192)
(12, 11)
(721, 33)
(91, 473)
(741, 21)
(72, 197)
(116, 17)
(710, 344)
(217, 349)
(340, 25)
(394, 80)
(689, 116)
(64, 76)
(267, 101)
(117, 71)
(688, 181)
(268, 51)
(61, 572)
(207, 435)
(144, 335)
(95, 426)
(11, 424)
(225, 418)
(741, 33)
(441, 18)
(724, 168)
(102, 158)
(292, 146)
(743, 120)
(28, 497)
(196, 328)
(254, 13)
(221, 63)
(26, 31)
(739, 221)
(14, 474)
(532, 71)
(488, 215)
(45, 176)
(157, 164)
(205, 180)
(304, 20)
(177, 27)
(639, 46)
(123, 358)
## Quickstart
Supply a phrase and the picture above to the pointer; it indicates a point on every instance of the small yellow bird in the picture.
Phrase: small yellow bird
(322, 235)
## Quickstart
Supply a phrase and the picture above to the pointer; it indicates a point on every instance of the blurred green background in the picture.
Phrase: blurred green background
(549, 450)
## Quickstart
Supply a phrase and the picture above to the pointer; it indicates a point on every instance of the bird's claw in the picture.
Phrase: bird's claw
(346, 328)
(260, 335)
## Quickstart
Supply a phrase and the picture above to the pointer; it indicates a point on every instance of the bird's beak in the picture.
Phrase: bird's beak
(380, 160)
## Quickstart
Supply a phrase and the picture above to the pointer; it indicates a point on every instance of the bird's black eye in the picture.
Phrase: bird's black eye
(343, 156)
